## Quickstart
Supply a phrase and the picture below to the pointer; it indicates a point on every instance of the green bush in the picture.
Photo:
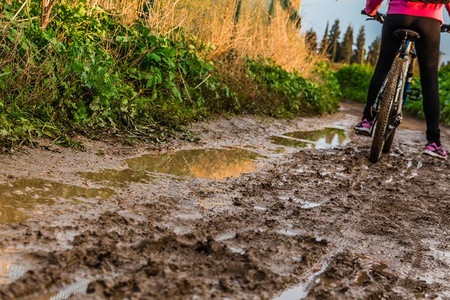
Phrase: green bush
(288, 94)
(354, 80)
(416, 107)
(90, 73)
(444, 91)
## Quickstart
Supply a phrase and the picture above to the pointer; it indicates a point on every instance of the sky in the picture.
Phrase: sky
(316, 13)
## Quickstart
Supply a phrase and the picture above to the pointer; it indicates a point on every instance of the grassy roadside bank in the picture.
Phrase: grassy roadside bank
(92, 73)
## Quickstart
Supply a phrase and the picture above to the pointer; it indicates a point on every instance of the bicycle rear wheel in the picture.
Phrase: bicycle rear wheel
(381, 136)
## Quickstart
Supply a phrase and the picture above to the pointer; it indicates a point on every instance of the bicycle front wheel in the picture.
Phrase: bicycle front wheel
(388, 144)
(387, 97)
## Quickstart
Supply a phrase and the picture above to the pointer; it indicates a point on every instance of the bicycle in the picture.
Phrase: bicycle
(395, 91)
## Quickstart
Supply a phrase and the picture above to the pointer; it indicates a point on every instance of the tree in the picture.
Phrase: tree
(294, 16)
(333, 40)
(324, 43)
(237, 14)
(286, 5)
(359, 54)
(271, 9)
(147, 6)
(311, 40)
(374, 52)
(346, 46)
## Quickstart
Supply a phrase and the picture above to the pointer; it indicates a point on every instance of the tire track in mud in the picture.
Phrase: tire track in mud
(341, 242)
(366, 202)
(351, 219)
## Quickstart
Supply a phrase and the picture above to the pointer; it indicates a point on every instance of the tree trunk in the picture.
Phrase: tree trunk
(237, 14)
(46, 8)
(294, 15)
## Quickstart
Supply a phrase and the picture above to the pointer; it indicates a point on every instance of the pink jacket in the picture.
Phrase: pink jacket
(404, 7)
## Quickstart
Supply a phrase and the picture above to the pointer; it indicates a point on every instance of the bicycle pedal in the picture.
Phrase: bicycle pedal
(415, 94)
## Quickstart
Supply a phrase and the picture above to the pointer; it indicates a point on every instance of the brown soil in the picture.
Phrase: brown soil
(319, 224)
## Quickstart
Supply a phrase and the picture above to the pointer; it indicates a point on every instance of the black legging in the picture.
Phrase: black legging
(427, 49)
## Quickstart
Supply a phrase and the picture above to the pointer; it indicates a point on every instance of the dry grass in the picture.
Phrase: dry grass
(214, 21)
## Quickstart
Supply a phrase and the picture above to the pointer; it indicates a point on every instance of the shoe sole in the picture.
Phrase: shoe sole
(362, 131)
(431, 153)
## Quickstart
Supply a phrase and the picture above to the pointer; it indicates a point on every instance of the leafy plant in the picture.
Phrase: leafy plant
(354, 80)
(416, 108)
(88, 72)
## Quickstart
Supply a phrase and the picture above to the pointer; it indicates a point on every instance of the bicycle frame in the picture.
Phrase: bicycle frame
(387, 110)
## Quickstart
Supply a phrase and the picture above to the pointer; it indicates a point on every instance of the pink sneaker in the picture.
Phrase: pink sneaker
(434, 150)
(363, 127)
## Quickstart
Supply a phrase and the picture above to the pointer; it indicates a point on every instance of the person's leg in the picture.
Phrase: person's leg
(388, 50)
(428, 54)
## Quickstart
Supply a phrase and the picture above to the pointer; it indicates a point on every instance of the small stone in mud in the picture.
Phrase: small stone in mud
(237, 201)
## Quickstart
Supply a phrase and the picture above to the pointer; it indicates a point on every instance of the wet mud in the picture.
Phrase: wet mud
(258, 209)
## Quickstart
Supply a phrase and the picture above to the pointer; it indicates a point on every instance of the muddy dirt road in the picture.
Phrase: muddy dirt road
(309, 217)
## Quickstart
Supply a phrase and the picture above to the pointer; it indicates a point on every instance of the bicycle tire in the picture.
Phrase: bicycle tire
(388, 144)
(386, 101)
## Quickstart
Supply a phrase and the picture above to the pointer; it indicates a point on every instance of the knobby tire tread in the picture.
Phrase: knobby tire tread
(388, 144)
(386, 101)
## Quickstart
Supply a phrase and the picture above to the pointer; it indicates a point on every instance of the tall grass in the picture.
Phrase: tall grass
(255, 34)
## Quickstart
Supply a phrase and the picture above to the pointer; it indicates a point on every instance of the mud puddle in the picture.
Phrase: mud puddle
(326, 138)
(213, 164)
(301, 291)
(21, 196)
(118, 178)
(10, 266)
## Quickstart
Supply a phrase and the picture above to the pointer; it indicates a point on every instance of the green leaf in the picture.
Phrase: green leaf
(77, 67)
(154, 56)
(5, 74)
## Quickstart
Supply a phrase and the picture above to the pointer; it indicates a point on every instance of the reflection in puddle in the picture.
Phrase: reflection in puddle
(200, 163)
(310, 204)
(10, 270)
(260, 208)
(279, 149)
(79, 287)
(65, 237)
(117, 177)
(226, 236)
(305, 204)
(318, 139)
(24, 194)
(291, 232)
(237, 250)
(301, 291)
(284, 141)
